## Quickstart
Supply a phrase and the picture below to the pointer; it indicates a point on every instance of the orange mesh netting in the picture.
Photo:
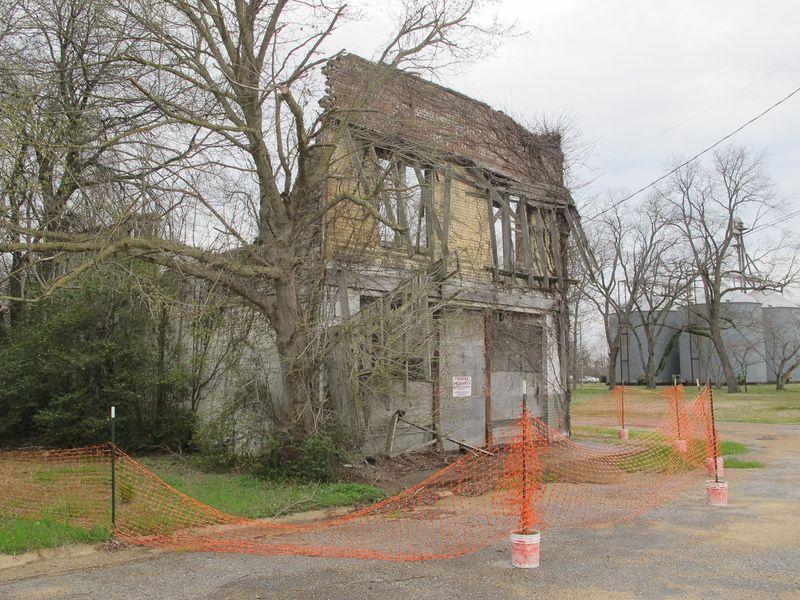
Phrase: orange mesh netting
(536, 479)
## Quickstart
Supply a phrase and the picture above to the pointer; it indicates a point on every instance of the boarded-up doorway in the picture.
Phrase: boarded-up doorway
(514, 352)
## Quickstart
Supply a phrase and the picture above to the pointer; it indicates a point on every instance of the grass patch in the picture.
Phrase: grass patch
(734, 462)
(732, 450)
(246, 496)
(659, 458)
(728, 448)
(760, 404)
(18, 535)
(590, 431)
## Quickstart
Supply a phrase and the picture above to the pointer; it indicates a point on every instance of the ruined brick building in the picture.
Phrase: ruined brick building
(469, 237)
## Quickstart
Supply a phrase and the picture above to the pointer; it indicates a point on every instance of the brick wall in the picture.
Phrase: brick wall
(399, 104)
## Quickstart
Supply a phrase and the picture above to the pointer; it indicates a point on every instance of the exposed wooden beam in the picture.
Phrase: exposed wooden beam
(580, 240)
(402, 215)
(390, 212)
(494, 194)
(356, 159)
(542, 253)
(344, 300)
(527, 251)
(508, 244)
(493, 239)
(555, 243)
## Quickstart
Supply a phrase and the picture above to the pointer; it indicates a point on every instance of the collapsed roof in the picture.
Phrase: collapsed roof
(401, 107)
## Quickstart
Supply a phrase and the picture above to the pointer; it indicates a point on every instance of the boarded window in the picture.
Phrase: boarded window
(517, 343)
(398, 337)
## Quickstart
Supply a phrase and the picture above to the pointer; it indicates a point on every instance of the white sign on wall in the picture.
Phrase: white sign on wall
(462, 386)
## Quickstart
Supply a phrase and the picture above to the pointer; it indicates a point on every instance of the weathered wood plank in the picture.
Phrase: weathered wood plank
(344, 300)
(539, 230)
(527, 251)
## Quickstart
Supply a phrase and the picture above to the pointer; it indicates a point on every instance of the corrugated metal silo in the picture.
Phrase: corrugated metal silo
(632, 358)
(781, 314)
(742, 333)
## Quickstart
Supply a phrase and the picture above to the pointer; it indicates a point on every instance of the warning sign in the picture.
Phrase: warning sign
(462, 386)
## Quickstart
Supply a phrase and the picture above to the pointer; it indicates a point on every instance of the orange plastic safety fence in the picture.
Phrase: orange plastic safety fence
(627, 406)
(536, 479)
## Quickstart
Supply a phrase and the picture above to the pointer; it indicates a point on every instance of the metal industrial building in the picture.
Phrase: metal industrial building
(761, 331)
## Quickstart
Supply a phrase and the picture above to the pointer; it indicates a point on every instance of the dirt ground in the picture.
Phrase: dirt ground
(751, 549)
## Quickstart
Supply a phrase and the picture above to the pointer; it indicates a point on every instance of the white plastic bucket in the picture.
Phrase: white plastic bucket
(623, 433)
(525, 550)
(717, 492)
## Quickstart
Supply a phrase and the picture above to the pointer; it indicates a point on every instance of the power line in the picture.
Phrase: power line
(778, 221)
(700, 111)
(695, 157)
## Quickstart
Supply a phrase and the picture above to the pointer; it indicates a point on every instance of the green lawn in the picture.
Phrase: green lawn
(247, 496)
(729, 448)
(734, 462)
(75, 497)
(611, 434)
(760, 404)
(19, 535)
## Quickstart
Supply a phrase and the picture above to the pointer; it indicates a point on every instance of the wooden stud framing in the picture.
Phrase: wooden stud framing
(543, 266)
(448, 184)
(358, 165)
(493, 238)
(582, 242)
(344, 300)
(508, 245)
(555, 244)
(527, 250)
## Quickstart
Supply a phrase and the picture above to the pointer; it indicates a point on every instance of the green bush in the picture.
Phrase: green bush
(73, 355)
(311, 458)
(281, 456)
(316, 460)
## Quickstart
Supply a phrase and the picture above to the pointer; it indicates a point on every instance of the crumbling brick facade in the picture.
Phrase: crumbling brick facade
(483, 219)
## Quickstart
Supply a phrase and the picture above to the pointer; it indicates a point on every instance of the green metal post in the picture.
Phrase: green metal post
(113, 468)
(713, 433)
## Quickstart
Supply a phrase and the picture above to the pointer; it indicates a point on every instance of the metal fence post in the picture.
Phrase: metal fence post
(113, 468)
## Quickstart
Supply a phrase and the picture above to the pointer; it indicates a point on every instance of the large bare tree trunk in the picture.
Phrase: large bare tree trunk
(781, 382)
(611, 374)
(294, 349)
(724, 360)
(650, 365)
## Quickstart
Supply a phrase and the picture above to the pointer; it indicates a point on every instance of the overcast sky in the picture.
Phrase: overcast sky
(646, 81)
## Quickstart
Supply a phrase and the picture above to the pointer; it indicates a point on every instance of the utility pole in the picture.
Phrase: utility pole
(741, 255)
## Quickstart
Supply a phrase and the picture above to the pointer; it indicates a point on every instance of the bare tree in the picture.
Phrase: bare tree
(75, 139)
(624, 249)
(579, 315)
(708, 204)
(665, 282)
(259, 166)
